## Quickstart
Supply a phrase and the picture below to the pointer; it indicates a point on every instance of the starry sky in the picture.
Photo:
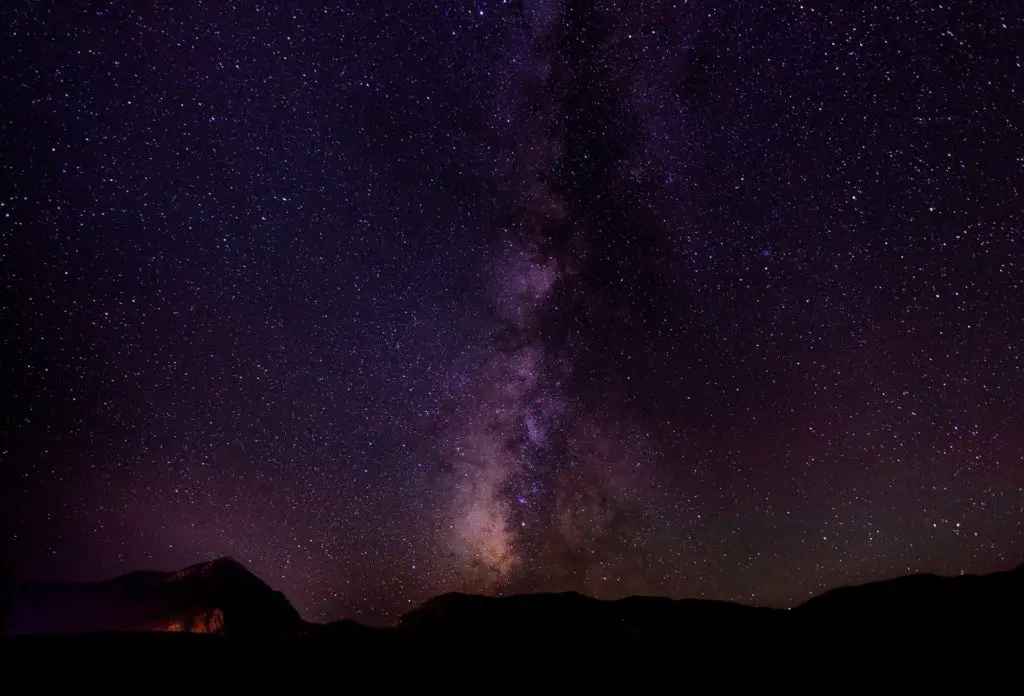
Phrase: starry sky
(697, 299)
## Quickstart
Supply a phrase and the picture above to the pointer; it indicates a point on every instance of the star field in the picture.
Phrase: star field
(717, 300)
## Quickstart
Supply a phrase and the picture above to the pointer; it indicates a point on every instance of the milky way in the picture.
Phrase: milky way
(697, 299)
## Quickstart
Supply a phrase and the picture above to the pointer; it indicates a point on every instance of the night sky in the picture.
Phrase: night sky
(696, 299)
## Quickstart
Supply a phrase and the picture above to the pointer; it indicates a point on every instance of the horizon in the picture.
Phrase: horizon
(380, 623)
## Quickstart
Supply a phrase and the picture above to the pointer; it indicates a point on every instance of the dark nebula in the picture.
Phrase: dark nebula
(719, 300)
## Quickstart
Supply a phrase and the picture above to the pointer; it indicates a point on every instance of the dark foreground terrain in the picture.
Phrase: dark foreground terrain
(221, 600)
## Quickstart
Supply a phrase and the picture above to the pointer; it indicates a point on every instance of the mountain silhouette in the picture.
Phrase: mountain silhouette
(571, 616)
(222, 597)
(920, 607)
(219, 596)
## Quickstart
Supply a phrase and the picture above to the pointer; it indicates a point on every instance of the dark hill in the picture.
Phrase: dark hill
(917, 607)
(220, 597)
(224, 598)
(573, 617)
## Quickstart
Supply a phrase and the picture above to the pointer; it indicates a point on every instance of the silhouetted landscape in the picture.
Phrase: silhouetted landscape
(222, 600)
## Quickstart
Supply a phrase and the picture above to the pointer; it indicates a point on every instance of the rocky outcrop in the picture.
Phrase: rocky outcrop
(223, 597)
(219, 597)
(194, 621)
